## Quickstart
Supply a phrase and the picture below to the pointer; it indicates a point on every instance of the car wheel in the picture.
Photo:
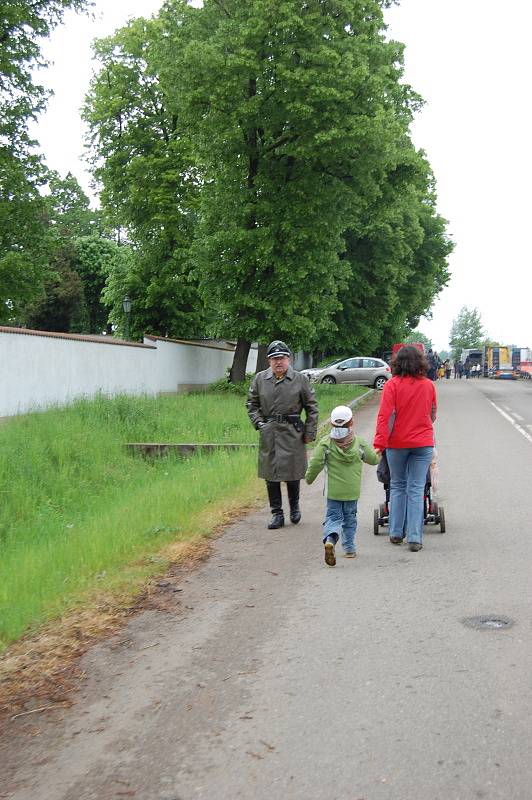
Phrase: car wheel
(379, 383)
(328, 379)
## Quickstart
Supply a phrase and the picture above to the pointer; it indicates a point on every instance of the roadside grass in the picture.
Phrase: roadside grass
(79, 514)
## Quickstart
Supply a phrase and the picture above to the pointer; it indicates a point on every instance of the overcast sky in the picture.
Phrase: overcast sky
(469, 59)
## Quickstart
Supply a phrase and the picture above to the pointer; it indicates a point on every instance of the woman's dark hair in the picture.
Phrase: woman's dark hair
(409, 361)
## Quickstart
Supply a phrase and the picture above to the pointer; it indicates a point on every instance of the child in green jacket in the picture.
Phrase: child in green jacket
(341, 454)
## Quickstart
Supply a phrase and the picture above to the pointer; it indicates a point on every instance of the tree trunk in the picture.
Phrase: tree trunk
(262, 359)
(237, 373)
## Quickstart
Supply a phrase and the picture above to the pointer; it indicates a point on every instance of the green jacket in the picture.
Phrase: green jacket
(344, 467)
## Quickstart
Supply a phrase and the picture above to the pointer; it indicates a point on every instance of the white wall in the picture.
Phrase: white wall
(39, 370)
(182, 365)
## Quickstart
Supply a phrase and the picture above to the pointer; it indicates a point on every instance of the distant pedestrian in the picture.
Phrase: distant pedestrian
(404, 430)
(447, 368)
(467, 367)
(340, 454)
(432, 365)
(276, 398)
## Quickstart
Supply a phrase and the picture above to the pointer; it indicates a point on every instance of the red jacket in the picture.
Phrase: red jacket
(407, 411)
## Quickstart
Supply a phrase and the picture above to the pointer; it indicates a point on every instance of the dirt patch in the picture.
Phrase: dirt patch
(41, 671)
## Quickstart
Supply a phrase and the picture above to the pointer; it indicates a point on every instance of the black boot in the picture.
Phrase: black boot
(293, 499)
(276, 505)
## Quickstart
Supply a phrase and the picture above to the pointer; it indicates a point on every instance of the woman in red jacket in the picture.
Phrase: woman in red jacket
(404, 430)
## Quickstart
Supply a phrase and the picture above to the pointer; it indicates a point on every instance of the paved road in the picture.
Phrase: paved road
(277, 678)
(513, 399)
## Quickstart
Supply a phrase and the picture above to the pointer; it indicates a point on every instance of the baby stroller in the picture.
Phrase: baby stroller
(433, 514)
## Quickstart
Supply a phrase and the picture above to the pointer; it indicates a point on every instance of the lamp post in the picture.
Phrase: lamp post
(126, 305)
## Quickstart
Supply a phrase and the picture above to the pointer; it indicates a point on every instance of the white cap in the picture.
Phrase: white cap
(340, 415)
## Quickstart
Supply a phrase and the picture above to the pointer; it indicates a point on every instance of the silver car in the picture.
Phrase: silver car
(313, 373)
(363, 371)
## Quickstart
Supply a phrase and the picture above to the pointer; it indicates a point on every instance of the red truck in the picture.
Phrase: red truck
(395, 347)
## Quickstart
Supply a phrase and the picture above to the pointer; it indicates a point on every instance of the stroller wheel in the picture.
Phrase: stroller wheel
(376, 521)
(442, 520)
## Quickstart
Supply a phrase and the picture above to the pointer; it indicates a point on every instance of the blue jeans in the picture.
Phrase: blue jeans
(408, 471)
(341, 520)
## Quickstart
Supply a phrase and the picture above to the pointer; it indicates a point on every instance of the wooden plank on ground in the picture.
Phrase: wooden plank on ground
(155, 449)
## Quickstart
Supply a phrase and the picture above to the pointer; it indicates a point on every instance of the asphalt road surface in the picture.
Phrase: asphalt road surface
(274, 677)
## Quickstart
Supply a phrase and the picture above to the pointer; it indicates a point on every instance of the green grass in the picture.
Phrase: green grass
(76, 508)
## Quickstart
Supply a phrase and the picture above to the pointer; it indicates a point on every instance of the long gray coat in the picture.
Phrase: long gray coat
(282, 454)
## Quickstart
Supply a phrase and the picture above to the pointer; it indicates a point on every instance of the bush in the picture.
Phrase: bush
(224, 386)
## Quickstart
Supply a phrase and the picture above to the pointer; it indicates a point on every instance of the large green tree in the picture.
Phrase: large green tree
(143, 161)
(259, 151)
(68, 207)
(23, 235)
(417, 336)
(80, 258)
(62, 304)
(397, 256)
(293, 136)
(23, 228)
(23, 26)
(466, 331)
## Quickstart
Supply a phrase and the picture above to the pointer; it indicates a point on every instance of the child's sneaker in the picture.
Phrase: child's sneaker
(330, 558)
(350, 554)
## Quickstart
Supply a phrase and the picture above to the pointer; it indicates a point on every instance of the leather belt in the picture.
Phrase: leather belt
(282, 418)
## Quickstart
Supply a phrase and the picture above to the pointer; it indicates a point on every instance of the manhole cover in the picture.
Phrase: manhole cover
(488, 622)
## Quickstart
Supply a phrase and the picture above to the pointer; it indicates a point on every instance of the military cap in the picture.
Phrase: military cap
(277, 348)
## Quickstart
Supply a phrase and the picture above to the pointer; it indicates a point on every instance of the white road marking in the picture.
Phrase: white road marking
(506, 407)
(518, 416)
(512, 422)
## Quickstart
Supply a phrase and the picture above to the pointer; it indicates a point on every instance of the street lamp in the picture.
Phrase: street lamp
(126, 305)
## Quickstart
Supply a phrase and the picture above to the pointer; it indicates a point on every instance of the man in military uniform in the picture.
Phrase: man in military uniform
(276, 399)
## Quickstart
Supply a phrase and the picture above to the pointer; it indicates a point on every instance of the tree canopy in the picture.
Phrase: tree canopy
(23, 224)
(256, 171)
(23, 235)
(79, 260)
(418, 336)
(143, 160)
(466, 331)
(257, 154)
(23, 26)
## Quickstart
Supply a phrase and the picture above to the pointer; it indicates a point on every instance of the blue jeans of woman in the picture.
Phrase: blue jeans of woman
(341, 521)
(408, 475)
